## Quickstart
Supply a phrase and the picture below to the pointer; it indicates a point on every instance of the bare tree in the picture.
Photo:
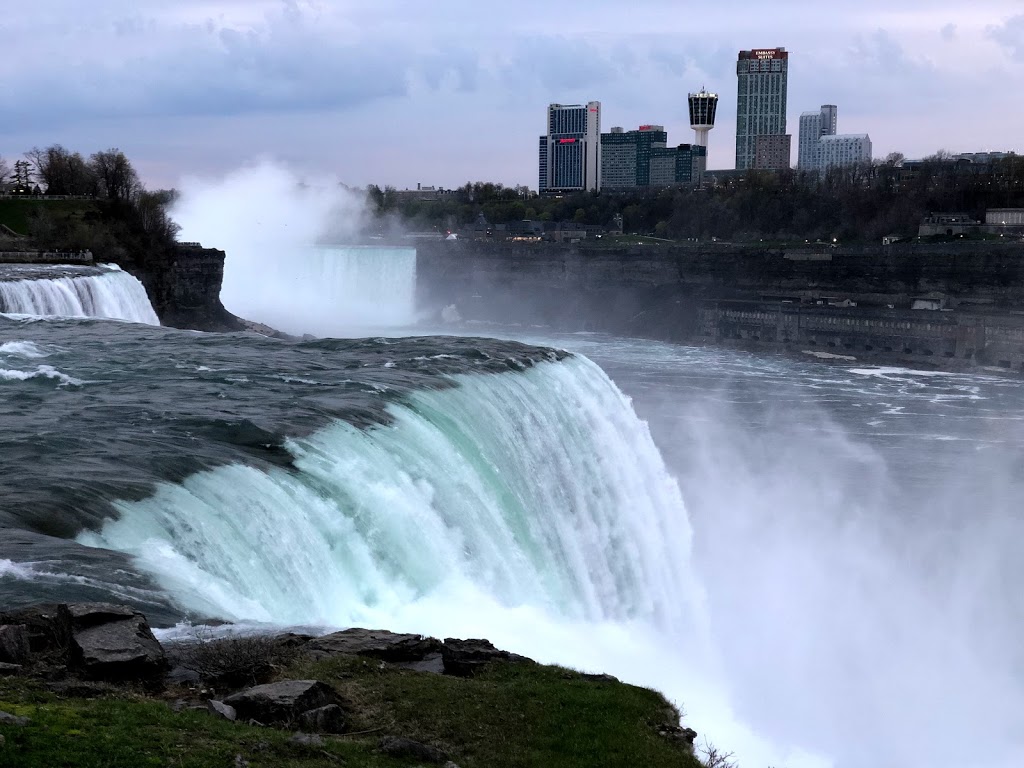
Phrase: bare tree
(115, 177)
(5, 175)
(63, 172)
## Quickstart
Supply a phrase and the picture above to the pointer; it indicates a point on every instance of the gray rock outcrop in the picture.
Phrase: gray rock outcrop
(281, 702)
(463, 658)
(114, 642)
(14, 644)
(376, 643)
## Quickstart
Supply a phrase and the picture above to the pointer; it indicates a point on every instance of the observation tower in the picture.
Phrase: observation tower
(703, 107)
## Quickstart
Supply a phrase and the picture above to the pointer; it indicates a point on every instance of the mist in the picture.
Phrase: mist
(290, 264)
(857, 557)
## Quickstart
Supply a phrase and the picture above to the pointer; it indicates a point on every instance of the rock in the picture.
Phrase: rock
(329, 719)
(281, 702)
(48, 626)
(377, 643)
(221, 709)
(85, 615)
(463, 657)
(9, 719)
(307, 740)
(450, 764)
(395, 746)
(599, 678)
(14, 645)
(241, 762)
(113, 642)
(10, 669)
(682, 736)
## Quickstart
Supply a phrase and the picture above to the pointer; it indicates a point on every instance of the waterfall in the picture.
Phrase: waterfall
(111, 294)
(539, 488)
(327, 291)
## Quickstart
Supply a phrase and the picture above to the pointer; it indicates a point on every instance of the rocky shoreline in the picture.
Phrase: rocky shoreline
(314, 692)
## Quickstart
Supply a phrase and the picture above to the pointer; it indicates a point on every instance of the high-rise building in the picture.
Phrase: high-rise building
(570, 154)
(844, 149)
(814, 125)
(703, 108)
(626, 156)
(773, 152)
(761, 100)
(684, 164)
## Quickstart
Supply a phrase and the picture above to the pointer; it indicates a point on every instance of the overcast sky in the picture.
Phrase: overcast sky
(447, 91)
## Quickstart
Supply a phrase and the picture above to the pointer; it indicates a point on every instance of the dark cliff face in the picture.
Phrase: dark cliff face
(184, 287)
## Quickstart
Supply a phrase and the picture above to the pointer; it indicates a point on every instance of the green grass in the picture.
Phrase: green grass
(509, 715)
(15, 213)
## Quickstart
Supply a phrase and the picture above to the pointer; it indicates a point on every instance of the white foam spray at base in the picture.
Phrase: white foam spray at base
(114, 294)
(269, 225)
(532, 509)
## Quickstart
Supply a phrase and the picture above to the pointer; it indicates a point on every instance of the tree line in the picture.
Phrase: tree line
(124, 223)
(858, 203)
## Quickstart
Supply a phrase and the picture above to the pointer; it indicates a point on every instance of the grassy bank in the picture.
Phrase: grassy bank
(508, 715)
(17, 213)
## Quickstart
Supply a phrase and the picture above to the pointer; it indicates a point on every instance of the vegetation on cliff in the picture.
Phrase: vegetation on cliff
(98, 204)
(86, 685)
(861, 203)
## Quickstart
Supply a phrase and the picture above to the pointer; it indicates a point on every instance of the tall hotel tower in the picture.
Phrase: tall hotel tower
(763, 76)
(570, 153)
(814, 125)
(703, 107)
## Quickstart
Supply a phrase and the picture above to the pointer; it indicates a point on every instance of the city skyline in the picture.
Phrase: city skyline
(399, 93)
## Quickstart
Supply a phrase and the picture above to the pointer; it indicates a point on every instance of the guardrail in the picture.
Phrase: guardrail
(46, 257)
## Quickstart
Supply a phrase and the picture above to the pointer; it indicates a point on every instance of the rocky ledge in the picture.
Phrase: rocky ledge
(358, 697)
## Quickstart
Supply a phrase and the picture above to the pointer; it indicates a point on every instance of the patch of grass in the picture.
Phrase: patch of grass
(132, 732)
(514, 715)
(509, 716)
(17, 213)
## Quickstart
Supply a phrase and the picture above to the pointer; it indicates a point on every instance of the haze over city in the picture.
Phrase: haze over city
(440, 93)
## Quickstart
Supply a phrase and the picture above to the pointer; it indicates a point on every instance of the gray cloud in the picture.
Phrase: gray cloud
(948, 32)
(1010, 35)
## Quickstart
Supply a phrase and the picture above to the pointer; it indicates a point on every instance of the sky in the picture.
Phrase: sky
(441, 92)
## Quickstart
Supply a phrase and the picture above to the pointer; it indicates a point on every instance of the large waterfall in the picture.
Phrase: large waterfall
(537, 489)
(110, 294)
(326, 290)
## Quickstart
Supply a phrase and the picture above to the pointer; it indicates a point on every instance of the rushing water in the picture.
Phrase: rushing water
(818, 563)
(74, 292)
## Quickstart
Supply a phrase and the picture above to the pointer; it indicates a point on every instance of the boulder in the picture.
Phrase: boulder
(111, 642)
(394, 746)
(329, 719)
(8, 719)
(221, 709)
(14, 643)
(307, 740)
(48, 626)
(376, 643)
(463, 657)
(281, 702)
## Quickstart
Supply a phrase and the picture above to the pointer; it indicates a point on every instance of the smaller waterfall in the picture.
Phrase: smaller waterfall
(328, 291)
(110, 294)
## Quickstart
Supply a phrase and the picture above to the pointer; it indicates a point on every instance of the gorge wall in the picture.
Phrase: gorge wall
(750, 296)
(184, 287)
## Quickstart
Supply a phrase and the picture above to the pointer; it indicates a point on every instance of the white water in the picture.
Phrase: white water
(326, 291)
(114, 294)
(532, 509)
(267, 220)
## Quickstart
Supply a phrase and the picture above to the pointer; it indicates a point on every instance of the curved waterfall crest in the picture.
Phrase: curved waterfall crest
(539, 489)
(110, 294)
